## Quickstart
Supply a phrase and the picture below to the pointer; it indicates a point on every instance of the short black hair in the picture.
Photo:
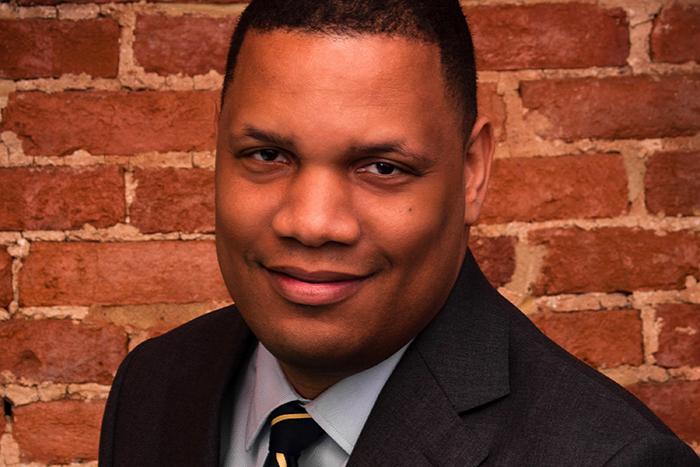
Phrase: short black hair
(439, 22)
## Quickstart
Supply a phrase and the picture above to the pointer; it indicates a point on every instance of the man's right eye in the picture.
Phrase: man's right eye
(267, 155)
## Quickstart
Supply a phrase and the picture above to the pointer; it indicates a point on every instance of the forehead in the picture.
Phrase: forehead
(362, 57)
(362, 75)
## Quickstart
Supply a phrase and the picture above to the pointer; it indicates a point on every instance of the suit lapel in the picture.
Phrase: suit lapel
(413, 423)
(423, 415)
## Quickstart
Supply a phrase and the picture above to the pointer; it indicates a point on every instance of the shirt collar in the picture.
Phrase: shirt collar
(270, 390)
(340, 410)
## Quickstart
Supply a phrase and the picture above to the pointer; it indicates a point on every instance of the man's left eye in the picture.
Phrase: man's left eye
(267, 155)
(383, 168)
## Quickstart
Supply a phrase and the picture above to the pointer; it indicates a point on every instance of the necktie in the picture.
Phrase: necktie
(291, 431)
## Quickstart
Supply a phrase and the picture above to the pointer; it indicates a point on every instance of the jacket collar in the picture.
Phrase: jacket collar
(458, 363)
(466, 346)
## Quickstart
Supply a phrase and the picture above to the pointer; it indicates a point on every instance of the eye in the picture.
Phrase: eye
(382, 168)
(267, 155)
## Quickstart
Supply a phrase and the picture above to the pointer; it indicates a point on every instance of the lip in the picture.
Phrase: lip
(315, 288)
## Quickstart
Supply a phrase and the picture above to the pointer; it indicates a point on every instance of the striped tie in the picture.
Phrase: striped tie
(291, 431)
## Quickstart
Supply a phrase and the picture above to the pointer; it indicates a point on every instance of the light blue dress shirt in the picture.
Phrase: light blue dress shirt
(341, 411)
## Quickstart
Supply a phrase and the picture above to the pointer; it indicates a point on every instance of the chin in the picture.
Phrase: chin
(322, 352)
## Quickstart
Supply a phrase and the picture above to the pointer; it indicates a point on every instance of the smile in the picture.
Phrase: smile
(313, 287)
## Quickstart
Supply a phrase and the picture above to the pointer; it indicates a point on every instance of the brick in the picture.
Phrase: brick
(614, 259)
(544, 188)
(55, 198)
(491, 105)
(603, 339)
(672, 184)
(679, 338)
(575, 35)
(58, 432)
(676, 34)
(112, 123)
(628, 107)
(121, 273)
(48, 48)
(677, 403)
(58, 2)
(148, 317)
(182, 44)
(174, 200)
(61, 351)
(5, 278)
(496, 256)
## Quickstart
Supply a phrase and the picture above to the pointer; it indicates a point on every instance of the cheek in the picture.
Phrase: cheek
(243, 209)
(240, 229)
(411, 226)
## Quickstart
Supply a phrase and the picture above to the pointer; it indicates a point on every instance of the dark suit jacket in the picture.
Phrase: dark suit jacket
(479, 386)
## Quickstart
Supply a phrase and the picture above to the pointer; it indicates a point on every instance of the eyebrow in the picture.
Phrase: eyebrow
(395, 147)
(370, 149)
(269, 137)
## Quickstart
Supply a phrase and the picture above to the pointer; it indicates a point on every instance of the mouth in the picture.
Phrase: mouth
(320, 287)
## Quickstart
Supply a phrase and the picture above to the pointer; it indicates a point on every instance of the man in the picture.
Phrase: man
(350, 165)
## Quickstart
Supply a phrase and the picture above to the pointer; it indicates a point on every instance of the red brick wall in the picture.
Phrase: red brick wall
(592, 225)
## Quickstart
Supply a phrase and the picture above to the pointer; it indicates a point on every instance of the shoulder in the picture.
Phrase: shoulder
(567, 403)
(658, 450)
(166, 385)
(529, 400)
(182, 350)
(202, 330)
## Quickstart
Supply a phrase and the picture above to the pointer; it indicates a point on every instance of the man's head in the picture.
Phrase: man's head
(344, 188)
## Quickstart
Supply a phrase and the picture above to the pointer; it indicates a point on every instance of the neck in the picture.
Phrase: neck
(310, 385)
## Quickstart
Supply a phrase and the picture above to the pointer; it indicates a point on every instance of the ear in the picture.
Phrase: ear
(477, 168)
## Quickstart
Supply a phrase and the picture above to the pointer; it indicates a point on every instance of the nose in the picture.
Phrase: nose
(317, 209)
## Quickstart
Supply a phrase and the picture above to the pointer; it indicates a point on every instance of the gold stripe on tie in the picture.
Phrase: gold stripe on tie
(281, 460)
(291, 416)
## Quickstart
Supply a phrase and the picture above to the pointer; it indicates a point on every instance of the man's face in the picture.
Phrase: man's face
(340, 194)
